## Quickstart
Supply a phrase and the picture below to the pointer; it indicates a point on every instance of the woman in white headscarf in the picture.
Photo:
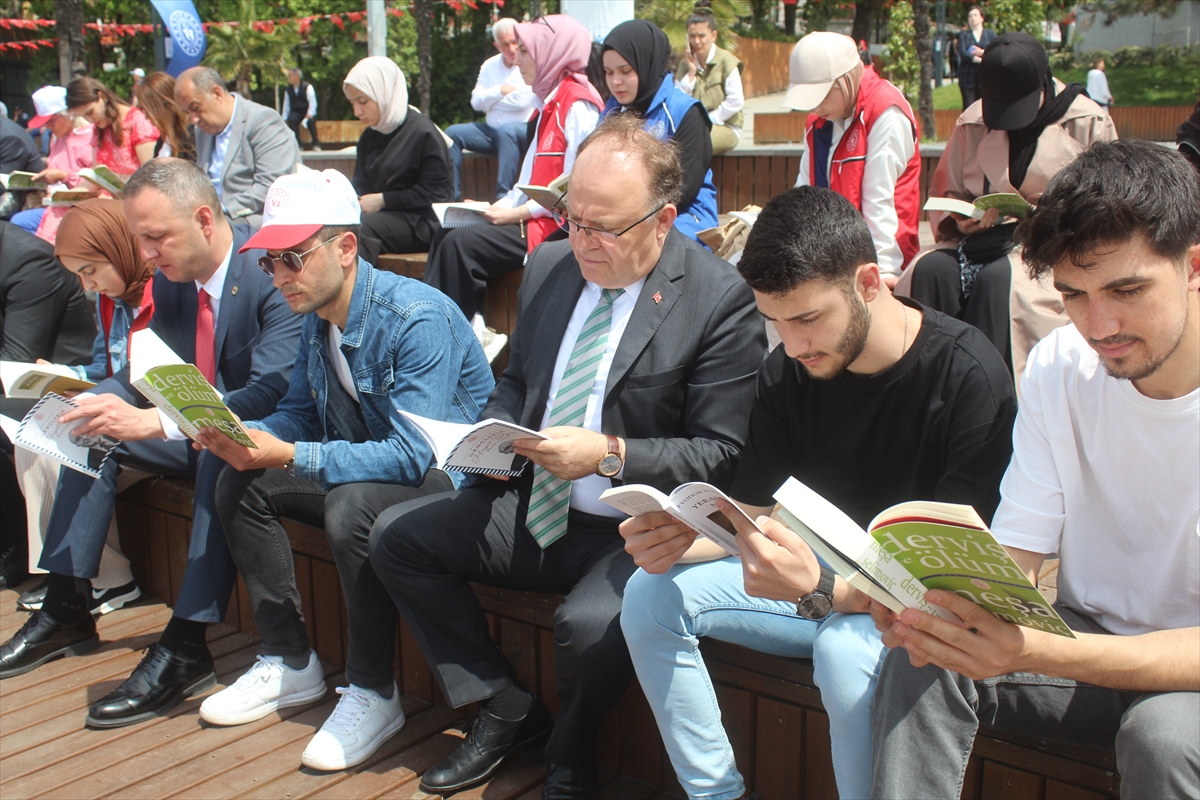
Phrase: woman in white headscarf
(403, 165)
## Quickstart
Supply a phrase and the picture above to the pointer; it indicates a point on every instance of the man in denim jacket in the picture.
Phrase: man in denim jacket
(335, 453)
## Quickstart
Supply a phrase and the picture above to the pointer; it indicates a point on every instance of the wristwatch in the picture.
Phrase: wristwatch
(818, 603)
(611, 464)
(289, 466)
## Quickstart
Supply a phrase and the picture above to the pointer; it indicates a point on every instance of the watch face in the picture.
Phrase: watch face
(815, 606)
(610, 465)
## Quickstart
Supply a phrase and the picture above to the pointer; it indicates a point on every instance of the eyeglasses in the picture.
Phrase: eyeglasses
(606, 238)
(293, 261)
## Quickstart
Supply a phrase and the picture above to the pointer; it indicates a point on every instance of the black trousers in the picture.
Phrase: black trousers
(969, 94)
(937, 283)
(251, 504)
(294, 119)
(426, 551)
(399, 231)
(462, 260)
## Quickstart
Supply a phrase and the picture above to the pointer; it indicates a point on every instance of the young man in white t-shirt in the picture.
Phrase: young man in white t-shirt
(1106, 453)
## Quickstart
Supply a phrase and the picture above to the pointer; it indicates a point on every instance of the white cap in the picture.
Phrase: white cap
(48, 101)
(299, 205)
(138, 72)
(818, 60)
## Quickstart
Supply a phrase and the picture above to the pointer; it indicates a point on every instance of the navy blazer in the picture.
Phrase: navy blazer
(682, 380)
(256, 339)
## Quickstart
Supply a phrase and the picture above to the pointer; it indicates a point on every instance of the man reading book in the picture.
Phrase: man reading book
(214, 309)
(870, 401)
(1104, 474)
(336, 452)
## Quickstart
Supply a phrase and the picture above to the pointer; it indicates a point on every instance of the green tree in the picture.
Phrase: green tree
(1017, 15)
(671, 16)
(903, 68)
(248, 55)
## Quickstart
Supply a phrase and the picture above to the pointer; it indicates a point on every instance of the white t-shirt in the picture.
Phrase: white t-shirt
(337, 359)
(1110, 480)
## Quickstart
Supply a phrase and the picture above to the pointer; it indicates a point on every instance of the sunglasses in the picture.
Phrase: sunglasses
(293, 261)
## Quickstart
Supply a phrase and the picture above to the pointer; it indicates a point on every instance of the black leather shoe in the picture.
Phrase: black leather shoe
(33, 599)
(155, 687)
(490, 741)
(13, 571)
(42, 638)
(569, 783)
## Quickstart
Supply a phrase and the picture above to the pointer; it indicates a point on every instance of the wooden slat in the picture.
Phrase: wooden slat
(1005, 783)
(779, 759)
(818, 762)
(638, 745)
(330, 639)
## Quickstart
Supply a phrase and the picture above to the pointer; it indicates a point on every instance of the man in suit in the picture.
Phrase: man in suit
(634, 353)
(217, 310)
(242, 146)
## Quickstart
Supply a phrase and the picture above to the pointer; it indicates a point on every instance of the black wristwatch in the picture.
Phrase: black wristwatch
(818, 604)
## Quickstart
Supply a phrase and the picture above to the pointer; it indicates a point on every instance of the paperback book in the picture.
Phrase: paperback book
(692, 503)
(1010, 205)
(460, 215)
(483, 448)
(21, 180)
(42, 433)
(104, 177)
(549, 197)
(31, 381)
(183, 393)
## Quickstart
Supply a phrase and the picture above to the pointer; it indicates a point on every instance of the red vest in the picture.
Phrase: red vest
(551, 154)
(875, 95)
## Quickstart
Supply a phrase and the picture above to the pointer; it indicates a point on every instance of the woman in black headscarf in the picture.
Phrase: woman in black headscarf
(635, 68)
(1028, 126)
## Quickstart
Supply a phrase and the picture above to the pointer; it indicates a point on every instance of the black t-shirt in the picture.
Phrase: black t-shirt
(936, 425)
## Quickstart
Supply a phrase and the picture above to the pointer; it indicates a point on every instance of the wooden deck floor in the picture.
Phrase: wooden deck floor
(45, 750)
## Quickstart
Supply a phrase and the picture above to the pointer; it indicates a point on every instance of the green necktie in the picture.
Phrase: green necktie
(550, 500)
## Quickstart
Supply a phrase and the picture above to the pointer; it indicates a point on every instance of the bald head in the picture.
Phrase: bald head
(202, 95)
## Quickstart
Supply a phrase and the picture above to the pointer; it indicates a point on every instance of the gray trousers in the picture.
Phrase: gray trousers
(926, 720)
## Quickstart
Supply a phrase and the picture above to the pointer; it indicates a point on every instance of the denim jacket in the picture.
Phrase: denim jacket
(116, 349)
(409, 348)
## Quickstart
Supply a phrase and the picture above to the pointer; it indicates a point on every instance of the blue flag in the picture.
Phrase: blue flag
(186, 43)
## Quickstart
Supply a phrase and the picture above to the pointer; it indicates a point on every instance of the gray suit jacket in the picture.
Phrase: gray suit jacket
(682, 380)
(261, 148)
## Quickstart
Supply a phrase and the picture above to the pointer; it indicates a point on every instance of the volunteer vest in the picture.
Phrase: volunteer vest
(550, 154)
(298, 99)
(662, 119)
(710, 81)
(875, 95)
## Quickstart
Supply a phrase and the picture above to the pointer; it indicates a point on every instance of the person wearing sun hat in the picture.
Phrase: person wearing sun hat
(1026, 126)
(70, 149)
(861, 141)
(334, 454)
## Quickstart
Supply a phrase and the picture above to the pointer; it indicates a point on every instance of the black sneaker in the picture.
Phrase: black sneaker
(13, 572)
(103, 601)
(33, 599)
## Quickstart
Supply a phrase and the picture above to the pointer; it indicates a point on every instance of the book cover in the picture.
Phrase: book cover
(184, 395)
(42, 433)
(1009, 205)
(31, 381)
(21, 180)
(104, 177)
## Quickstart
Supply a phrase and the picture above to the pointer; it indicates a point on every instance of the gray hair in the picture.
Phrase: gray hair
(296, 70)
(182, 182)
(502, 26)
(205, 78)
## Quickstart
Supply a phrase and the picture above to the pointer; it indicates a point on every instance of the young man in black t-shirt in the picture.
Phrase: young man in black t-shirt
(870, 400)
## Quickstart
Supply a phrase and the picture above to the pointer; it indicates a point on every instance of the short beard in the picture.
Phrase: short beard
(1144, 371)
(853, 341)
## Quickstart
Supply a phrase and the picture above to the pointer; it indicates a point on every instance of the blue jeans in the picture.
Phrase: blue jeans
(29, 220)
(507, 142)
(664, 616)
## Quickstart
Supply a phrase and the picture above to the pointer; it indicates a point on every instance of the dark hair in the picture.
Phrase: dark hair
(802, 235)
(980, 10)
(329, 231)
(1112, 192)
(156, 96)
(624, 132)
(82, 91)
(701, 17)
(186, 185)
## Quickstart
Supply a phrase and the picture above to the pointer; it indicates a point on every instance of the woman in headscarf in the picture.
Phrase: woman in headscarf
(403, 165)
(635, 58)
(95, 244)
(861, 141)
(553, 57)
(1027, 127)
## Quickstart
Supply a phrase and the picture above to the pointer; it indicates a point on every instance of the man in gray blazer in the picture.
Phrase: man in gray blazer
(242, 146)
(634, 353)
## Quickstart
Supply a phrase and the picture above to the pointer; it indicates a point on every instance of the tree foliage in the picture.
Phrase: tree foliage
(248, 56)
(671, 16)
(902, 68)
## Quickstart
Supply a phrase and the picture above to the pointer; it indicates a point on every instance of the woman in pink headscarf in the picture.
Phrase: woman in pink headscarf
(553, 56)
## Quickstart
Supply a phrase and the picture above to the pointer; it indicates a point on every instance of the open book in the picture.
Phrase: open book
(180, 390)
(104, 177)
(69, 197)
(692, 503)
(1010, 205)
(482, 448)
(912, 547)
(21, 180)
(460, 215)
(549, 196)
(42, 433)
(31, 381)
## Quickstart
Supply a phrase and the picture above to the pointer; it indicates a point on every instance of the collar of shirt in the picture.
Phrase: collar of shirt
(215, 285)
(223, 136)
(712, 53)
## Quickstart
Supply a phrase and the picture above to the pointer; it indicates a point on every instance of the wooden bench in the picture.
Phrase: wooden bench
(771, 708)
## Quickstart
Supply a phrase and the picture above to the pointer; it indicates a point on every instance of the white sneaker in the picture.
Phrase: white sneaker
(362, 721)
(267, 686)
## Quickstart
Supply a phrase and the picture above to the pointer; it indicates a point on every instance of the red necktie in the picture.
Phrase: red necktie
(206, 360)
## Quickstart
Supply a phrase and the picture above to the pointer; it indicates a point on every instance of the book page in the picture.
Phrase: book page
(696, 504)
(147, 351)
(636, 499)
(482, 448)
(31, 381)
(458, 215)
(953, 205)
(21, 180)
(42, 433)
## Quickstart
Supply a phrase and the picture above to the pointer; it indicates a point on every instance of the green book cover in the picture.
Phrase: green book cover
(971, 563)
(1010, 205)
(183, 394)
(23, 180)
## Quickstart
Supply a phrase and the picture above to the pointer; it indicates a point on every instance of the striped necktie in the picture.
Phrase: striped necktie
(550, 500)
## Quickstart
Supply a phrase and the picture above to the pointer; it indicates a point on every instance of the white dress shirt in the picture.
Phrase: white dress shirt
(214, 286)
(582, 119)
(216, 164)
(735, 97)
(1097, 87)
(890, 145)
(585, 492)
(502, 109)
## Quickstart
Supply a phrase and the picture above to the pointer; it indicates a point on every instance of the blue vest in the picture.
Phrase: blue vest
(666, 112)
